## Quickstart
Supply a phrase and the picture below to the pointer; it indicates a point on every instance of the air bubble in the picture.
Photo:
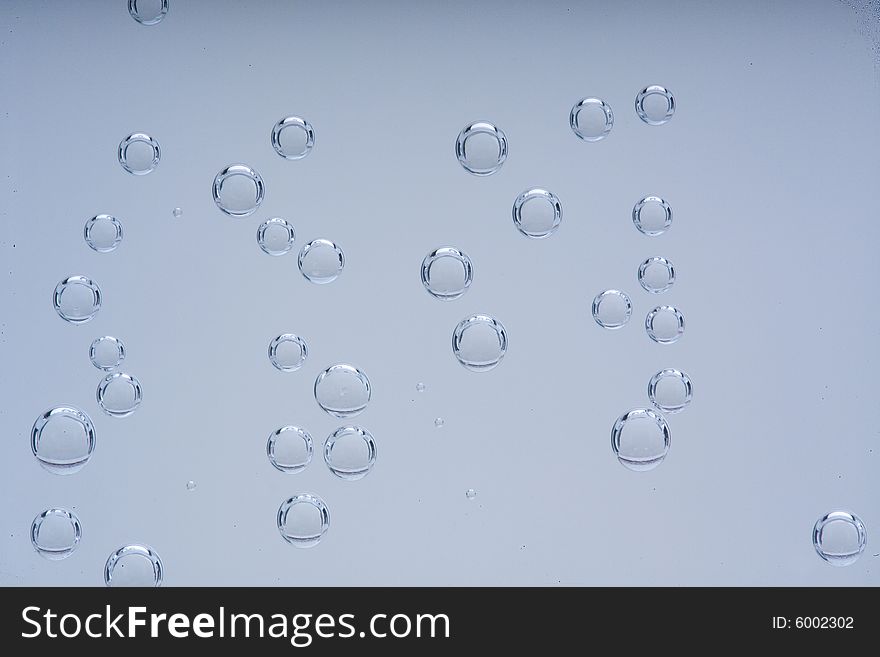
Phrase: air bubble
(119, 394)
(276, 236)
(670, 390)
(288, 352)
(640, 439)
(447, 273)
(321, 261)
(655, 105)
(591, 119)
(664, 324)
(612, 309)
(177, 212)
(537, 213)
(420, 387)
(342, 390)
(303, 520)
(439, 422)
(656, 275)
(190, 485)
(55, 533)
(652, 216)
(238, 190)
(148, 12)
(77, 299)
(63, 439)
(840, 538)
(103, 233)
(293, 138)
(481, 148)
(289, 449)
(139, 153)
(470, 493)
(106, 353)
(350, 452)
(134, 565)
(479, 342)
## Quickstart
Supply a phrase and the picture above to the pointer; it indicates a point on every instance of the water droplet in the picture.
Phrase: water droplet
(656, 275)
(288, 352)
(479, 342)
(481, 148)
(591, 119)
(321, 261)
(55, 533)
(119, 394)
(655, 105)
(139, 153)
(670, 390)
(303, 520)
(612, 309)
(134, 565)
(652, 215)
(447, 273)
(664, 324)
(293, 138)
(106, 353)
(420, 387)
(537, 213)
(350, 452)
(640, 439)
(77, 299)
(148, 12)
(238, 190)
(840, 538)
(289, 449)
(63, 439)
(276, 236)
(177, 212)
(470, 493)
(342, 390)
(103, 233)
(190, 485)
(439, 422)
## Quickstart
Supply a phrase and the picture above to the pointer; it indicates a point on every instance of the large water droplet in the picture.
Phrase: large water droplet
(55, 533)
(106, 353)
(148, 12)
(276, 236)
(103, 233)
(119, 394)
(481, 148)
(288, 352)
(63, 439)
(664, 324)
(670, 390)
(293, 138)
(238, 190)
(479, 342)
(840, 538)
(537, 213)
(350, 452)
(655, 105)
(447, 273)
(139, 153)
(342, 390)
(290, 449)
(134, 565)
(303, 520)
(640, 439)
(591, 119)
(77, 299)
(321, 261)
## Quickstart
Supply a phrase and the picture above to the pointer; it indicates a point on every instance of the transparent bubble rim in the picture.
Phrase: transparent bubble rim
(647, 463)
(135, 549)
(303, 498)
(649, 324)
(537, 193)
(90, 224)
(139, 138)
(351, 369)
(345, 473)
(591, 101)
(68, 282)
(281, 339)
(132, 9)
(50, 553)
(293, 122)
(597, 303)
(670, 373)
(63, 466)
(472, 320)
(636, 215)
(478, 128)
(840, 516)
(270, 223)
(289, 468)
(120, 351)
(243, 170)
(655, 90)
(447, 252)
(132, 381)
(321, 243)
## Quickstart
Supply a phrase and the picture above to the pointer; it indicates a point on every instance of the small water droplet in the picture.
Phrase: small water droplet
(276, 236)
(439, 422)
(481, 148)
(656, 275)
(288, 352)
(134, 565)
(640, 439)
(470, 493)
(342, 390)
(55, 533)
(652, 216)
(611, 309)
(148, 12)
(303, 520)
(139, 153)
(664, 324)
(479, 342)
(420, 387)
(670, 390)
(321, 261)
(447, 273)
(119, 394)
(591, 119)
(107, 352)
(77, 299)
(840, 538)
(350, 452)
(537, 213)
(103, 233)
(289, 449)
(293, 138)
(190, 485)
(238, 190)
(655, 105)
(177, 212)
(63, 439)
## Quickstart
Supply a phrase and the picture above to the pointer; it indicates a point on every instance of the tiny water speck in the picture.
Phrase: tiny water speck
(439, 422)
(470, 493)
(420, 387)
(190, 485)
(177, 212)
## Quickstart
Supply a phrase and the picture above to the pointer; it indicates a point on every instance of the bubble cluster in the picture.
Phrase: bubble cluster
(134, 566)
(55, 533)
(350, 452)
(447, 273)
(303, 520)
(481, 148)
(63, 439)
(537, 213)
(103, 233)
(479, 342)
(77, 299)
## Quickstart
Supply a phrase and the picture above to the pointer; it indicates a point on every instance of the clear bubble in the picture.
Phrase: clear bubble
(134, 565)
(238, 190)
(276, 236)
(77, 299)
(640, 439)
(293, 138)
(479, 342)
(55, 533)
(439, 422)
(190, 485)
(177, 212)
(148, 12)
(481, 148)
(420, 387)
(664, 324)
(655, 105)
(63, 439)
(591, 119)
(289, 449)
(321, 261)
(106, 353)
(139, 153)
(288, 352)
(447, 273)
(342, 390)
(103, 233)
(656, 275)
(119, 394)
(537, 213)
(652, 215)
(670, 390)
(470, 493)
(840, 538)
(612, 309)
(350, 452)
(303, 520)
